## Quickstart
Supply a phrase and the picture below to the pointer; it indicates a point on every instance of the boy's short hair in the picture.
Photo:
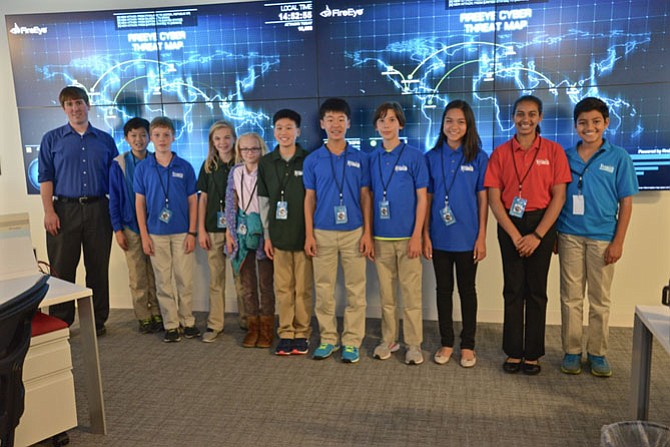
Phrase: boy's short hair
(591, 103)
(383, 109)
(135, 123)
(289, 114)
(334, 105)
(72, 92)
(161, 121)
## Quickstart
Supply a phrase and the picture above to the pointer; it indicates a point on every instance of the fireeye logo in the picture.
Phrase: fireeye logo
(39, 30)
(351, 12)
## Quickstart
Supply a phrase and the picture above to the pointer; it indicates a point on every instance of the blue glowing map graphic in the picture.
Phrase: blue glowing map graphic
(244, 61)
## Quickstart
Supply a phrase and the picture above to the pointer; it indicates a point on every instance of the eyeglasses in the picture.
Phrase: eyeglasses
(250, 149)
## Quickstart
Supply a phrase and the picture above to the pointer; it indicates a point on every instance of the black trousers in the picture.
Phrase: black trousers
(525, 289)
(86, 227)
(466, 270)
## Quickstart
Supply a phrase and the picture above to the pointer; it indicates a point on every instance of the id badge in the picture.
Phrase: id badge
(242, 229)
(341, 214)
(578, 205)
(282, 210)
(384, 209)
(447, 215)
(165, 215)
(220, 219)
(518, 207)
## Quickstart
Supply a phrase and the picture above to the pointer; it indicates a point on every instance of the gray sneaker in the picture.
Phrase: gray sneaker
(414, 356)
(384, 350)
(210, 335)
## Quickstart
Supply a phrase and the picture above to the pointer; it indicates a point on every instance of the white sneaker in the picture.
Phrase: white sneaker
(414, 356)
(210, 335)
(383, 351)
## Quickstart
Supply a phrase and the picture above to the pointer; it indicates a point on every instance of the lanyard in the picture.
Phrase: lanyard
(516, 170)
(340, 186)
(381, 174)
(581, 174)
(283, 180)
(242, 185)
(444, 173)
(221, 189)
(166, 191)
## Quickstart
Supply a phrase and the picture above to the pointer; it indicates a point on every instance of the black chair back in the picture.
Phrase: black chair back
(15, 330)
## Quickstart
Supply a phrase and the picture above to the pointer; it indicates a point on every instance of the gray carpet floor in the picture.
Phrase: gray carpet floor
(198, 394)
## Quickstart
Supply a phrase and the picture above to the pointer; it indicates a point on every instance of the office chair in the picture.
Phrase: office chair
(15, 330)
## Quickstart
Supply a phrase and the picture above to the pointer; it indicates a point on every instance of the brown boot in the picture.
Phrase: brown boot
(251, 338)
(267, 331)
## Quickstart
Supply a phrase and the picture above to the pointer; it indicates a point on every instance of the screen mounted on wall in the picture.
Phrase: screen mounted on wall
(244, 61)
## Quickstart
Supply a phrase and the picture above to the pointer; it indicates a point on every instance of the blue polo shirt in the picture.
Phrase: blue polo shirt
(402, 170)
(324, 173)
(609, 178)
(464, 181)
(78, 165)
(153, 181)
(121, 192)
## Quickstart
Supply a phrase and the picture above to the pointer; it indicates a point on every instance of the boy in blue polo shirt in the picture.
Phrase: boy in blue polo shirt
(127, 232)
(591, 231)
(338, 222)
(166, 204)
(399, 179)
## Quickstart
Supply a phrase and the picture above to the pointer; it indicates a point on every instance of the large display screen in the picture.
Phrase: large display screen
(243, 61)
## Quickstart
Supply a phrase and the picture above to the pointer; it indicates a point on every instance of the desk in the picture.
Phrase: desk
(61, 292)
(650, 322)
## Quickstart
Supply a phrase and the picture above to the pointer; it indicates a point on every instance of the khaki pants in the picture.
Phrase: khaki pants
(140, 278)
(395, 268)
(329, 245)
(169, 259)
(217, 283)
(293, 290)
(583, 264)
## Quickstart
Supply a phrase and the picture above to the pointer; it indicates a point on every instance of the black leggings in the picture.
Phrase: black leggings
(466, 271)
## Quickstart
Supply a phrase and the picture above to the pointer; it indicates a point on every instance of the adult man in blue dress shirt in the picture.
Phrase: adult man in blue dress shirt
(74, 162)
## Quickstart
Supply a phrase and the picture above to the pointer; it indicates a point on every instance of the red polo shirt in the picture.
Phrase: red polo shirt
(538, 169)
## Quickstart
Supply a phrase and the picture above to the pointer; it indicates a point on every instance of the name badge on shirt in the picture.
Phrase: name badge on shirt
(447, 215)
(282, 210)
(578, 205)
(242, 229)
(220, 219)
(165, 215)
(384, 209)
(341, 214)
(518, 207)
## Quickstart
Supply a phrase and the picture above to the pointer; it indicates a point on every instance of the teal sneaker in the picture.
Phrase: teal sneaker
(572, 363)
(600, 367)
(350, 354)
(324, 351)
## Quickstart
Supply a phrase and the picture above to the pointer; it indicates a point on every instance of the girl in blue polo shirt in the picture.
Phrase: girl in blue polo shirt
(455, 230)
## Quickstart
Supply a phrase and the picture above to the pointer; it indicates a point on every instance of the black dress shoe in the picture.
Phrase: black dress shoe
(531, 369)
(511, 367)
(102, 330)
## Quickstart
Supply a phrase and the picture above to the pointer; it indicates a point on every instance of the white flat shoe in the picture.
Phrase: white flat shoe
(468, 363)
(440, 358)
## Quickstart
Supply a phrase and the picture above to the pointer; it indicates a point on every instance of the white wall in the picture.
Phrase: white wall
(641, 273)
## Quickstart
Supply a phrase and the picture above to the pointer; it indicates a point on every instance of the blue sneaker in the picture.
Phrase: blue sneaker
(572, 363)
(300, 346)
(350, 354)
(284, 347)
(324, 351)
(600, 367)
